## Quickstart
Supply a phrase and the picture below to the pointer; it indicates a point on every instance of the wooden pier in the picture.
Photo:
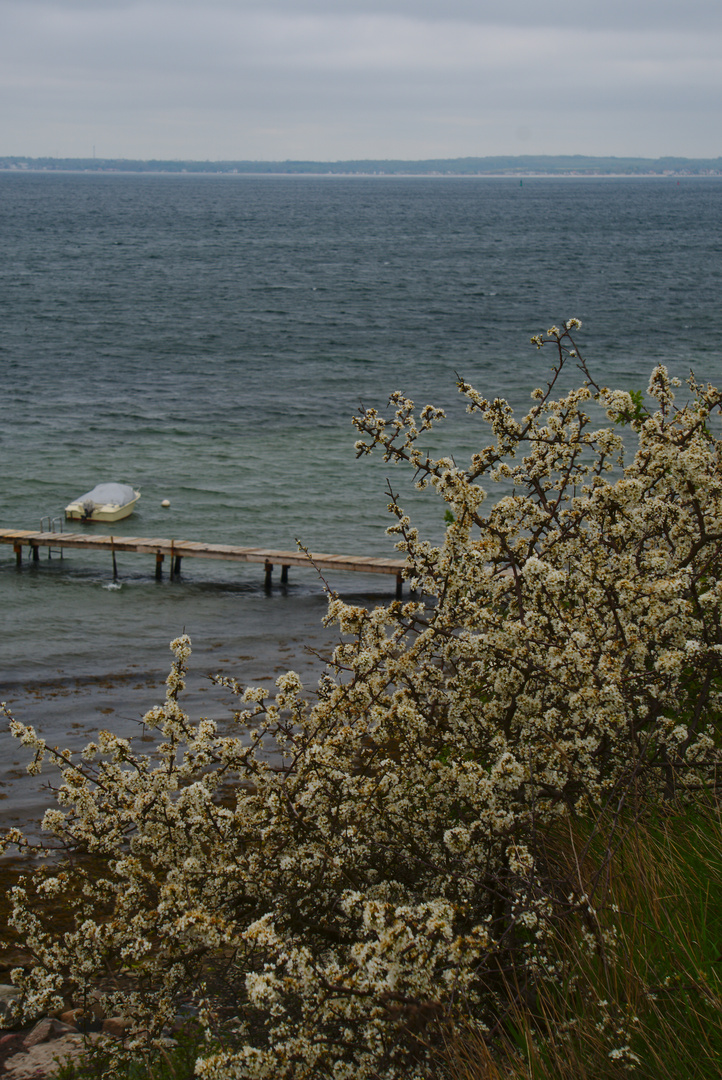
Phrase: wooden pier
(177, 550)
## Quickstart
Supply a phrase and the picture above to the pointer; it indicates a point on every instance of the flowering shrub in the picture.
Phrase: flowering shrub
(388, 874)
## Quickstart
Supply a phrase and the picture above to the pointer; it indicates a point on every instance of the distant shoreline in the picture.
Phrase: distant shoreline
(358, 176)
(519, 167)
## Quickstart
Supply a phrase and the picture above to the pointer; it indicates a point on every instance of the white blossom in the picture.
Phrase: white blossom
(568, 645)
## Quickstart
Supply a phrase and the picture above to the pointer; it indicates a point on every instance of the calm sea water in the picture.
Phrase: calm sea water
(209, 338)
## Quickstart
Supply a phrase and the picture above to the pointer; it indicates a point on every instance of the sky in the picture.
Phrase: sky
(330, 80)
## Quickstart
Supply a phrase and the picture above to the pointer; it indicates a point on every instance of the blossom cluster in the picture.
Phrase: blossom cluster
(562, 648)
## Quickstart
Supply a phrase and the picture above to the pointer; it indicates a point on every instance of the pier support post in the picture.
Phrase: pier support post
(145, 546)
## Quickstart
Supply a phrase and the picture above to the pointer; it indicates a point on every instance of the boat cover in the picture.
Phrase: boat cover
(109, 494)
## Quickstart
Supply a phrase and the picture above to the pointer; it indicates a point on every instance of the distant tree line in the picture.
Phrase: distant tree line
(530, 164)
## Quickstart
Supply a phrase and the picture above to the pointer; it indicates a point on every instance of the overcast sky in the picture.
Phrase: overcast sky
(334, 79)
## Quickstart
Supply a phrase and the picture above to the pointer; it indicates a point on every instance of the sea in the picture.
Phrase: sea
(208, 339)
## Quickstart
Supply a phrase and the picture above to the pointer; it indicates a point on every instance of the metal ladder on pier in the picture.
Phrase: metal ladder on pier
(52, 525)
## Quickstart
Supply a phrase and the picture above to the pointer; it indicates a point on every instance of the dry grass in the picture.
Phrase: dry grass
(645, 997)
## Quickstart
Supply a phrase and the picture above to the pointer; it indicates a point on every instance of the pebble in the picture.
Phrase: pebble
(8, 994)
(35, 1054)
(42, 1059)
(47, 1029)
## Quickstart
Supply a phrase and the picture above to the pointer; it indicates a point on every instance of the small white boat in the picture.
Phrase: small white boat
(106, 502)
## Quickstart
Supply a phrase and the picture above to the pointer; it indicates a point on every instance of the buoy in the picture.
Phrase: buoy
(166, 502)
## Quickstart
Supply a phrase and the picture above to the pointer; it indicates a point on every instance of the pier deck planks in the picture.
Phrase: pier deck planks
(185, 549)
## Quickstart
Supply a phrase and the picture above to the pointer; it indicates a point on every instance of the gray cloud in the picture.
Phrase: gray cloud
(611, 14)
(337, 78)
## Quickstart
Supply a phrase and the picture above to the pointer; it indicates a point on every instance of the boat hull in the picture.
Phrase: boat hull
(77, 511)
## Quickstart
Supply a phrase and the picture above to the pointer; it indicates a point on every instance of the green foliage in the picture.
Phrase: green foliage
(636, 411)
(647, 1000)
(175, 1062)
